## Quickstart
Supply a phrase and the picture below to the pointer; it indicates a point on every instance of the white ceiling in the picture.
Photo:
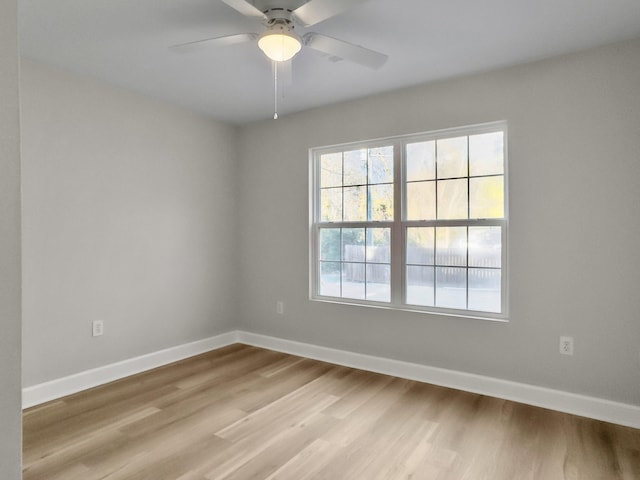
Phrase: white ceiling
(126, 43)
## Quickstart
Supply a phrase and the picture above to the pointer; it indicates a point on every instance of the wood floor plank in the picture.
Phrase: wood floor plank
(268, 455)
(241, 413)
(307, 462)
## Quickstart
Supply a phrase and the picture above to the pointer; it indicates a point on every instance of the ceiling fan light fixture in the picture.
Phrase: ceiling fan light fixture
(280, 43)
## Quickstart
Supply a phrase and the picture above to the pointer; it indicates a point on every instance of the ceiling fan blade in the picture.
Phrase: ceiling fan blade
(316, 11)
(245, 8)
(214, 42)
(345, 50)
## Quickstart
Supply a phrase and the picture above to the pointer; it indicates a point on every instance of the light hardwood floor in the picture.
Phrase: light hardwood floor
(246, 413)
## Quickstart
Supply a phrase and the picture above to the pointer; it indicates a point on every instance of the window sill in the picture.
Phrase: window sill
(499, 318)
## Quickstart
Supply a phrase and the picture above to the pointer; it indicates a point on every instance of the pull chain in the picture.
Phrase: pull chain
(275, 89)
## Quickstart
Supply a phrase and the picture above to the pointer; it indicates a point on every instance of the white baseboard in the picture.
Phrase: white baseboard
(597, 408)
(61, 387)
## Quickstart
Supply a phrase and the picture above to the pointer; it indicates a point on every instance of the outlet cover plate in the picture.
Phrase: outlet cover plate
(97, 328)
(566, 345)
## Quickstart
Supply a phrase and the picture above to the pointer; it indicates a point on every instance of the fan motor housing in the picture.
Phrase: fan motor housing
(279, 15)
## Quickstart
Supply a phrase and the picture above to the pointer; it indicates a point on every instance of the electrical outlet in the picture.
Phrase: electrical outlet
(280, 307)
(566, 345)
(97, 328)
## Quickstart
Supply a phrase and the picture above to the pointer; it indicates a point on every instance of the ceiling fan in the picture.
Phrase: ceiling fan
(280, 42)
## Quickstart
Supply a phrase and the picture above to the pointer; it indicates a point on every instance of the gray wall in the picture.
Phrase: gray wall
(10, 394)
(171, 227)
(128, 217)
(574, 147)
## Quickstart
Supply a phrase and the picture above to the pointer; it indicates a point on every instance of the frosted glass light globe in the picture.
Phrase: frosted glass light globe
(279, 45)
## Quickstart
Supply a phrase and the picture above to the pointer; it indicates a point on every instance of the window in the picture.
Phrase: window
(415, 222)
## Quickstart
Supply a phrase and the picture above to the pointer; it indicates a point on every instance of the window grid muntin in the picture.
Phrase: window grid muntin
(369, 192)
(342, 261)
(438, 222)
(436, 264)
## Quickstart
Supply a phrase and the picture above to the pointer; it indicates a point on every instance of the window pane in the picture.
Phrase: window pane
(381, 165)
(355, 167)
(487, 197)
(330, 244)
(353, 244)
(451, 246)
(452, 157)
(421, 161)
(379, 283)
(451, 287)
(452, 199)
(331, 204)
(330, 279)
(353, 280)
(355, 204)
(484, 290)
(420, 286)
(420, 245)
(486, 154)
(331, 170)
(379, 245)
(485, 247)
(421, 201)
(381, 202)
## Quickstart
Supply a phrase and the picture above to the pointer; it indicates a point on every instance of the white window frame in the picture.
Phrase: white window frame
(399, 224)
